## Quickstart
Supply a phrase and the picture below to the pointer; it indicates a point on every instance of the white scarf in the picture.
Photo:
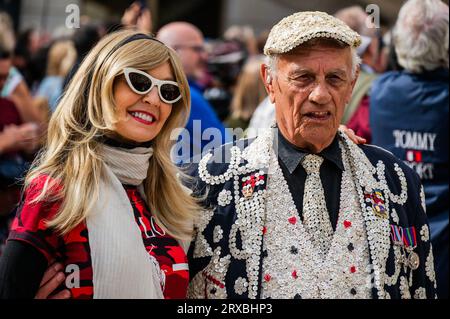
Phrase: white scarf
(122, 267)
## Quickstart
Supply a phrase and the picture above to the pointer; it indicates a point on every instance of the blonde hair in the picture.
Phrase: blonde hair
(249, 91)
(86, 112)
(7, 37)
(61, 57)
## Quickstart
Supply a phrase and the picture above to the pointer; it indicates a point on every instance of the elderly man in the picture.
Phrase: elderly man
(302, 211)
(409, 113)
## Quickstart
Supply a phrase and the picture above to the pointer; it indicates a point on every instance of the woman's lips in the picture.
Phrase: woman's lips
(143, 117)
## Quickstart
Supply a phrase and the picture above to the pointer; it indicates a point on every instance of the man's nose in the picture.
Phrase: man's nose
(320, 94)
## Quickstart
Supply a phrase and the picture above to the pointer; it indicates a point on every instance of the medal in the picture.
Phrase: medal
(249, 184)
(397, 239)
(247, 191)
(413, 260)
(378, 205)
(410, 242)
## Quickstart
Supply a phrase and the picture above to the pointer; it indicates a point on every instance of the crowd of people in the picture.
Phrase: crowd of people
(88, 149)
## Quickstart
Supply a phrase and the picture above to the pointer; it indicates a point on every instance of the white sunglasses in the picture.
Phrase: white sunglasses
(142, 83)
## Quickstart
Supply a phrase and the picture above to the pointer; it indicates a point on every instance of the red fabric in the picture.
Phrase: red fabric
(8, 113)
(162, 246)
(73, 249)
(360, 121)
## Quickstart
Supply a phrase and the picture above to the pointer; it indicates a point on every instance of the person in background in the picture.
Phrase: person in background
(409, 112)
(28, 44)
(356, 115)
(245, 35)
(14, 86)
(225, 61)
(61, 57)
(262, 118)
(248, 94)
(84, 39)
(17, 141)
(188, 41)
(139, 17)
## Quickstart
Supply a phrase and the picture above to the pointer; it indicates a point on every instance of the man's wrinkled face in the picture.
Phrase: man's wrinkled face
(310, 89)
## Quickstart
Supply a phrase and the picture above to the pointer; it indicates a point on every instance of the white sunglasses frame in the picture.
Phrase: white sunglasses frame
(155, 82)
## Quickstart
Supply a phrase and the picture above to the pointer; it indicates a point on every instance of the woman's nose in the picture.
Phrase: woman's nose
(152, 97)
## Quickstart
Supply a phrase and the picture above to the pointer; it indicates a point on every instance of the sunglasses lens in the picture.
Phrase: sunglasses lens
(170, 92)
(140, 82)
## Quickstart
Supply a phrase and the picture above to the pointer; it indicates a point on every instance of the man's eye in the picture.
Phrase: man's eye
(303, 78)
(335, 79)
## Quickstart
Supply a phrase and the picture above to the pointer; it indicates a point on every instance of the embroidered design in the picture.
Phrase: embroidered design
(316, 219)
(422, 199)
(241, 286)
(217, 234)
(224, 198)
(378, 232)
(295, 266)
(202, 248)
(398, 262)
(394, 216)
(404, 288)
(210, 282)
(429, 267)
(222, 178)
(420, 293)
(250, 182)
(425, 233)
(249, 225)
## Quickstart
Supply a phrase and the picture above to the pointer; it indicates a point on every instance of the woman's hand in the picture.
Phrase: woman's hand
(52, 279)
(351, 135)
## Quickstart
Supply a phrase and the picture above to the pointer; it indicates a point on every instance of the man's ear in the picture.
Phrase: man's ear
(267, 79)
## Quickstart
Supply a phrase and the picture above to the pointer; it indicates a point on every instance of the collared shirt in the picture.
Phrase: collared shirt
(290, 158)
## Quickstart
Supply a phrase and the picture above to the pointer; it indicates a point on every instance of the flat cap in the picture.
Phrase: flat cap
(300, 27)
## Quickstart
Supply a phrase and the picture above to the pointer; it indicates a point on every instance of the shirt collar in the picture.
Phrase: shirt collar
(292, 155)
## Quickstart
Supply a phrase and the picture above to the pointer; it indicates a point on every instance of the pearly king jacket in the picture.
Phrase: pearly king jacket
(226, 257)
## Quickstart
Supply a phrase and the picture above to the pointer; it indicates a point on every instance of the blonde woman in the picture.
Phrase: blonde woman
(61, 57)
(104, 198)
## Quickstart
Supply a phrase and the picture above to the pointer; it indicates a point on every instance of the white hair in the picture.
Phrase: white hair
(421, 35)
(272, 62)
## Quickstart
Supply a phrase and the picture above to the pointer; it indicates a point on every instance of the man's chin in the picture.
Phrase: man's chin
(317, 140)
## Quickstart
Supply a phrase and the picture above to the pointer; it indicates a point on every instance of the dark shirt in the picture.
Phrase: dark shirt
(290, 158)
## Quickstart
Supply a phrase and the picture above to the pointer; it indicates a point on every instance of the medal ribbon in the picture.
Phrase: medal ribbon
(397, 234)
(409, 238)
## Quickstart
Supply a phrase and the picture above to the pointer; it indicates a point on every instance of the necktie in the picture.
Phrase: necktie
(316, 219)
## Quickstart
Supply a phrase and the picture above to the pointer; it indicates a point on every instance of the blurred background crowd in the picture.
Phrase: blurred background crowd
(400, 101)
